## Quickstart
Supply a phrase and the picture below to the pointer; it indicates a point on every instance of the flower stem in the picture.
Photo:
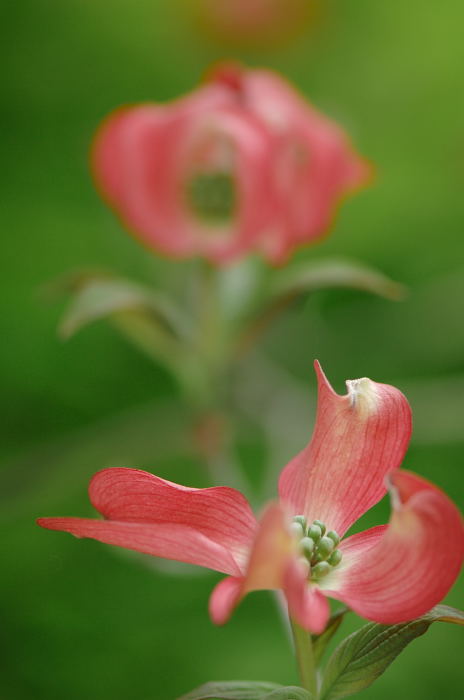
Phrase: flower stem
(305, 658)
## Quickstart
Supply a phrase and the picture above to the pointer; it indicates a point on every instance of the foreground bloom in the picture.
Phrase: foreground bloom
(242, 164)
(390, 573)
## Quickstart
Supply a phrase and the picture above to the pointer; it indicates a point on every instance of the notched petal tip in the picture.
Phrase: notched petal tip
(363, 395)
(228, 73)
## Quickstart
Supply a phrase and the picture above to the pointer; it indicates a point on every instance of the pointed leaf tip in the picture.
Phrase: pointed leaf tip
(332, 273)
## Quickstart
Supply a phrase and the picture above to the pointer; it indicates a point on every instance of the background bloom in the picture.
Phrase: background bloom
(388, 574)
(252, 22)
(243, 163)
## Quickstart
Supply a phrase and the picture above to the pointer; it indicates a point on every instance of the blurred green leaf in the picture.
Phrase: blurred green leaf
(148, 319)
(244, 690)
(321, 641)
(290, 692)
(363, 656)
(312, 276)
(288, 283)
(99, 297)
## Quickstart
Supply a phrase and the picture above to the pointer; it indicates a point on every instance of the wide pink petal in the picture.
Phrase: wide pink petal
(357, 440)
(109, 152)
(221, 514)
(306, 604)
(125, 168)
(116, 146)
(315, 164)
(169, 541)
(395, 574)
(135, 165)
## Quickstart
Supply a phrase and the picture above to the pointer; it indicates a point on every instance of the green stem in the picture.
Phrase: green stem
(305, 658)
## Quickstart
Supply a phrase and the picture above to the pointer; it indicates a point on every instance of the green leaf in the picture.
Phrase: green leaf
(148, 319)
(289, 692)
(328, 274)
(364, 655)
(100, 297)
(233, 690)
(246, 690)
(321, 641)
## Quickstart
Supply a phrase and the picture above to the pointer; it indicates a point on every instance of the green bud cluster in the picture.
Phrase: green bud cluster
(317, 546)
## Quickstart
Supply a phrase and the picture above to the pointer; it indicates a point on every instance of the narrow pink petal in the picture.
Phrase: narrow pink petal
(221, 514)
(271, 553)
(357, 440)
(224, 598)
(169, 541)
(306, 604)
(398, 573)
(272, 549)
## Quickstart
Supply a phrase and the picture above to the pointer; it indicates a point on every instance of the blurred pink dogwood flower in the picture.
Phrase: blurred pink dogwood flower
(243, 163)
(254, 23)
(389, 574)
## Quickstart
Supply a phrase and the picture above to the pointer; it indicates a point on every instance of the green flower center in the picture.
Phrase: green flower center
(317, 546)
(212, 196)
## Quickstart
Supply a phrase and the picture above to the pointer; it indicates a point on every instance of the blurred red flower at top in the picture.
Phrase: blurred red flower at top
(254, 22)
(241, 164)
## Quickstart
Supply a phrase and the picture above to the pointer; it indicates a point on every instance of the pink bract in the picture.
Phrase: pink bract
(389, 574)
(288, 165)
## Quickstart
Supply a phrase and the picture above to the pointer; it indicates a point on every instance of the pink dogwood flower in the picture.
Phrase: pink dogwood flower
(253, 22)
(389, 573)
(241, 164)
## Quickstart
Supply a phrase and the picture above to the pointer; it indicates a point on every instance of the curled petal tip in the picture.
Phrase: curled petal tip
(224, 598)
(395, 498)
(397, 573)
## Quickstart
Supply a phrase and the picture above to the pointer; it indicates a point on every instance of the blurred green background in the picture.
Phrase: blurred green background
(83, 620)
